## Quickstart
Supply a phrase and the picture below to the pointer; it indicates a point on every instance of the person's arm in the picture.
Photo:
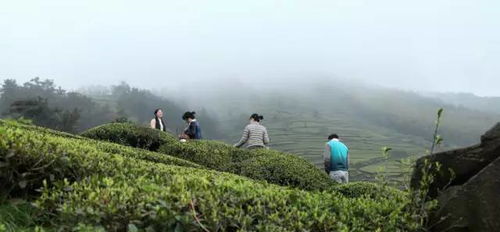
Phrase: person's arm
(153, 123)
(266, 137)
(327, 158)
(244, 137)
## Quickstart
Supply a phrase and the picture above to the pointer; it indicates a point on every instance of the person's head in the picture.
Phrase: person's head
(158, 113)
(333, 136)
(256, 118)
(188, 116)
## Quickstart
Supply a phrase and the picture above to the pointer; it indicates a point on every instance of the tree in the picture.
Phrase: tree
(69, 111)
(39, 112)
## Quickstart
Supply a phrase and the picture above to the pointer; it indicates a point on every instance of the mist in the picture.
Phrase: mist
(436, 46)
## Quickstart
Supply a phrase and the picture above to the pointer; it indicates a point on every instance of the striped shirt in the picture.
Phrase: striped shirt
(254, 135)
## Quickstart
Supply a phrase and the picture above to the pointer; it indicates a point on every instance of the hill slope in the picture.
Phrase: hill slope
(300, 116)
(88, 185)
(469, 101)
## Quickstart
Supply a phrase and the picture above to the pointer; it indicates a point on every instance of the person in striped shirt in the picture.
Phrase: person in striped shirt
(254, 135)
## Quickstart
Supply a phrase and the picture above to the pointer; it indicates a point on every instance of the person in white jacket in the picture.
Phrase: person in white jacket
(157, 122)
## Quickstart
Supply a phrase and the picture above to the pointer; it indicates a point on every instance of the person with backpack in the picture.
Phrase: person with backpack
(157, 122)
(336, 157)
(254, 135)
(193, 129)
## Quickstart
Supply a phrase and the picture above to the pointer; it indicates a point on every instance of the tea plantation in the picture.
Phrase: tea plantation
(121, 177)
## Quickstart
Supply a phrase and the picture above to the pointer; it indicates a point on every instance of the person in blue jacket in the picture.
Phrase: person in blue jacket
(193, 129)
(336, 157)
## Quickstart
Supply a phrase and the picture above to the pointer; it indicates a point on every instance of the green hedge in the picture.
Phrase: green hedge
(108, 147)
(25, 125)
(130, 135)
(283, 169)
(272, 166)
(86, 188)
(269, 165)
(214, 155)
(369, 190)
(192, 202)
(17, 172)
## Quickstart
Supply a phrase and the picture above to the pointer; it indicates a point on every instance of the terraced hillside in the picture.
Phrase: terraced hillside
(305, 134)
(299, 121)
(300, 118)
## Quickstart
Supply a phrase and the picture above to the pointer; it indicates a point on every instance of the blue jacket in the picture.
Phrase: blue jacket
(336, 156)
(193, 130)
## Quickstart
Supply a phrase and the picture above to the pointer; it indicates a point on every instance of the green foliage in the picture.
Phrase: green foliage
(193, 202)
(130, 135)
(38, 111)
(16, 216)
(87, 189)
(419, 198)
(21, 173)
(283, 169)
(51, 106)
(106, 146)
(370, 190)
(23, 124)
(437, 139)
(272, 166)
(139, 104)
(48, 105)
(211, 154)
(381, 176)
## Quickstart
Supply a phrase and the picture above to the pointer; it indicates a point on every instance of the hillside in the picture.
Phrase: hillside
(58, 181)
(46, 104)
(469, 101)
(300, 117)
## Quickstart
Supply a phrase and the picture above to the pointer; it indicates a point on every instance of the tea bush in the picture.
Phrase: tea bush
(370, 190)
(23, 125)
(214, 155)
(19, 171)
(131, 135)
(283, 169)
(192, 202)
(107, 146)
(269, 165)
(86, 188)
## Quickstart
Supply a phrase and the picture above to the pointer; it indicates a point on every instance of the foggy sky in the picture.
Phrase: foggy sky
(425, 45)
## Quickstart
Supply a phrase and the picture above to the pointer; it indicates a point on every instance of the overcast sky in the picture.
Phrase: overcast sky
(429, 45)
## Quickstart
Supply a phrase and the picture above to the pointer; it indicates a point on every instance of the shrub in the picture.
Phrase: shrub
(21, 173)
(86, 188)
(284, 169)
(107, 147)
(211, 154)
(370, 190)
(272, 166)
(141, 154)
(269, 165)
(20, 123)
(192, 202)
(130, 135)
